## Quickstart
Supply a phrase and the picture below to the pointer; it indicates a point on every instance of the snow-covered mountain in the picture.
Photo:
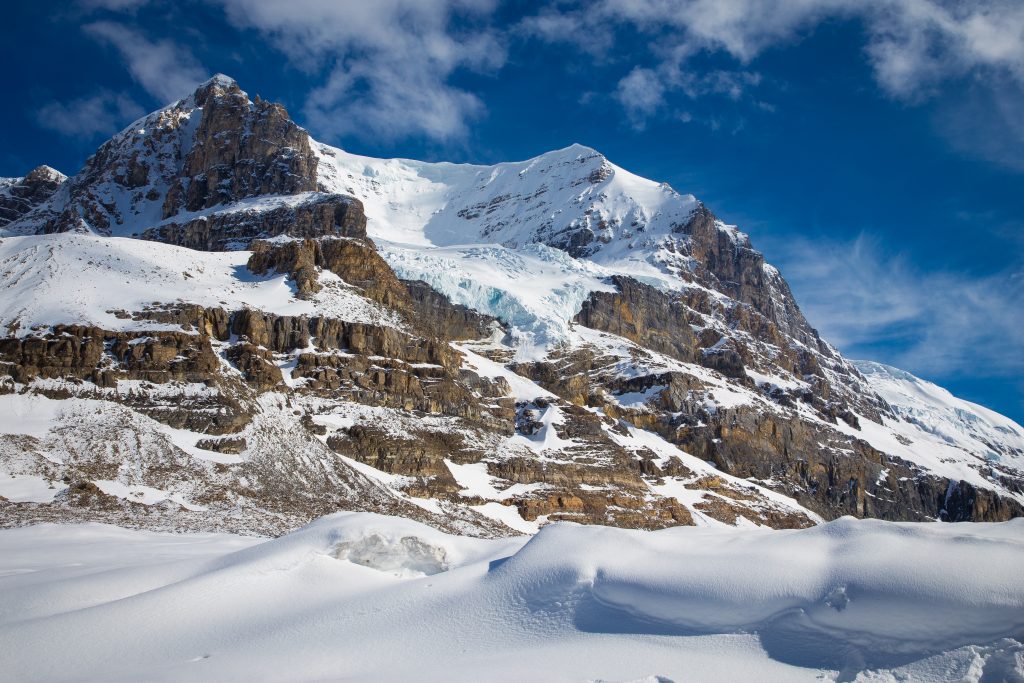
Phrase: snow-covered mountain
(255, 329)
(19, 196)
(953, 423)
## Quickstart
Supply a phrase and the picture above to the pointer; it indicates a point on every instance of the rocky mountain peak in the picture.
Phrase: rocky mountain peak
(44, 175)
(240, 149)
(216, 85)
(19, 196)
(722, 258)
(209, 150)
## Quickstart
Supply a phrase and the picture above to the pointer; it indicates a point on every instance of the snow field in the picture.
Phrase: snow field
(356, 596)
(87, 279)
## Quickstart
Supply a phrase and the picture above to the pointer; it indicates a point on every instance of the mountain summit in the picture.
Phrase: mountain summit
(220, 323)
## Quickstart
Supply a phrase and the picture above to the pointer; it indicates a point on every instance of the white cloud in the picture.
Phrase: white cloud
(390, 62)
(732, 84)
(743, 28)
(874, 304)
(915, 44)
(101, 114)
(641, 93)
(168, 71)
(557, 25)
(912, 45)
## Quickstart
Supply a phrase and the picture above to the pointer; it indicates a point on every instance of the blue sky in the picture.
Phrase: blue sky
(874, 150)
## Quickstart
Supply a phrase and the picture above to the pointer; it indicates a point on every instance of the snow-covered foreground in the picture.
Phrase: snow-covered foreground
(356, 596)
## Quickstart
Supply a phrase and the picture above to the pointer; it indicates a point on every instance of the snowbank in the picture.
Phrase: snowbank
(365, 597)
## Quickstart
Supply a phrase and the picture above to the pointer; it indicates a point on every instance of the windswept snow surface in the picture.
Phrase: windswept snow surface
(356, 596)
(512, 203)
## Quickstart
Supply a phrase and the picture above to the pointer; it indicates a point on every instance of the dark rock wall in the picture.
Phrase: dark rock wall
(435, 311)
(642, 314)
(241, 150)
(730, 264)
(323, 215)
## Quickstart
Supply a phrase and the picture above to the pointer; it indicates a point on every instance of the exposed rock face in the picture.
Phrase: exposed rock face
(826, 471)
(103, 358)
(830, 475)
(738, 337)
(22, 195)
(209, 378)
(240, 149)
(358, 263)
(726, 261)
(642, 314)
(596, 481)
(434, 311)
(420, 454)
(355, 260)
(319, 215)
(80, 352)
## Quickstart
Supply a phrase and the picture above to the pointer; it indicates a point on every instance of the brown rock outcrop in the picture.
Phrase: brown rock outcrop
(642, 314)
(321, 215)
(355, 261)
(240, 149)
(434, 311)
(727, 262)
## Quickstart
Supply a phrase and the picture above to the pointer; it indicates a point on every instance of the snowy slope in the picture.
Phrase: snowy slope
(535, 289)
(547, 199)
(5, 187)
(485, 236)
(934, 413)
(371, 598)
(86, 279)
(544, 199)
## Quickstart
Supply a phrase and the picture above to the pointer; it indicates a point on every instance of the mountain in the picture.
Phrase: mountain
(19, 196)
(222, 324)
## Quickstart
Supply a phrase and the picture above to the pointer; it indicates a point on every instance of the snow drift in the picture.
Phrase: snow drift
(356, 596)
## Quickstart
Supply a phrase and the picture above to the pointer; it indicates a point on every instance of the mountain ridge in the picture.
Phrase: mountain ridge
(485, 348)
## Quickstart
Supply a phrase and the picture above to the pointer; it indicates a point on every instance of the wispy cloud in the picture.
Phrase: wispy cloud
(390, 63)
(985, 120)
(100, 114)
(113, 5)
(915, 44)
(875, 304)
(641, 93)
(912, 45)
(165, 69)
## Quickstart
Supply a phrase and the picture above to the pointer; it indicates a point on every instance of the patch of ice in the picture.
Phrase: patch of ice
(407, 556)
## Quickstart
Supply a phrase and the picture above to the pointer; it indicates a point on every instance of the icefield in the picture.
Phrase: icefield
(362, 597)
